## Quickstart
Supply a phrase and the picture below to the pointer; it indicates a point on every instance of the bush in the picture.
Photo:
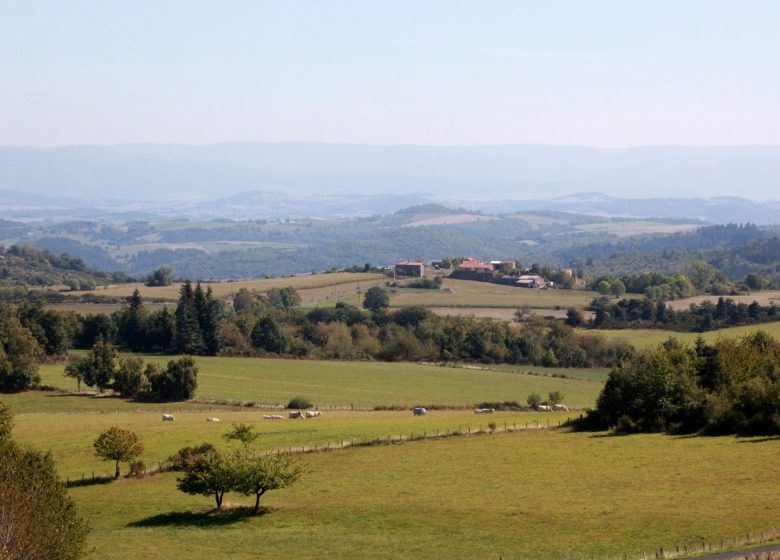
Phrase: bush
(534, 400)
(137, 469)
(299, 403)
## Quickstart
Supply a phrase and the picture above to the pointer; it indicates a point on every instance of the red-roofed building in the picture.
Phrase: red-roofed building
(473, 269)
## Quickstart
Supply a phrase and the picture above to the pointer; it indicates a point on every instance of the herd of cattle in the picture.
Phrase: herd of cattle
(293, 414)
(418, 411)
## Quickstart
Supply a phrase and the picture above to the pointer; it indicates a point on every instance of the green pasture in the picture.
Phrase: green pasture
(642, 338)
(69, 436)
(467, 293)
(360, 384)
(530, 495)
(586, 374)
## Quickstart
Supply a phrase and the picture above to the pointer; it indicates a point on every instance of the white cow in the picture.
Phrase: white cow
(562, 407)
(295, 414)
(313, 414)
(484, 410)
(273, 417)
(544, 408)
(212, 420)
(168, 417)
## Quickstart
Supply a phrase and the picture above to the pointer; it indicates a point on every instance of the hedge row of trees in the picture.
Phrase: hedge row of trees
(131, 378)
(732, 386)
(701, 317)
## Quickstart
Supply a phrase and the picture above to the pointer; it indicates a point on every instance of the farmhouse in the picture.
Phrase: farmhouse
(474, 269)
(410, 268)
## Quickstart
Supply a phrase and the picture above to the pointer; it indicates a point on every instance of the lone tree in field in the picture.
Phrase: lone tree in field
(208, 474)
(376, 299)
(242, 432)
(257, 474)
(116, 444)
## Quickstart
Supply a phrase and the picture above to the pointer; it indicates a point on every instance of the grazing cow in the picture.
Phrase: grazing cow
(212, 420)
(420, 411)
(544, 408)
(313, 414)
(273, 417)
(168, 417)
(562, 407)
(484, 410)
(296, 414)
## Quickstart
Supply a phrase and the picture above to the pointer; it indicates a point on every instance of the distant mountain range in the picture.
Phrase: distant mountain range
(151, 171)
(718, 210)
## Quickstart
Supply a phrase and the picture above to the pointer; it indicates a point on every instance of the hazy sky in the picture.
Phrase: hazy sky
(599, 73)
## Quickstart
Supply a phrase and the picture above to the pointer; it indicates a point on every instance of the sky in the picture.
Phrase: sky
(608, 74)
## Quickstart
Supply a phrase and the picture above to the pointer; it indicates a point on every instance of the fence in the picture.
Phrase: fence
(739, 544)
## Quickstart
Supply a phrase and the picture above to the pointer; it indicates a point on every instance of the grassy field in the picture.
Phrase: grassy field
(466, 293)
(530, 495)
(642, 338)
(763, 297)
(224, 289)
(69, 435)
(360, 384)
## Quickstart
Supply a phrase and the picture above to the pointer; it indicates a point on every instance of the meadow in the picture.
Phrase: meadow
(359, 384)
(642, 338)
(535, 494)
(532, 493)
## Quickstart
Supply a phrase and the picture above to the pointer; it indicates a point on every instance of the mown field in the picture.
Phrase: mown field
(69, 435)
(763, 297)
(527, 494)
(642, 338)
(360, 384)
(466, 293)
(348, 280)
(521, 495)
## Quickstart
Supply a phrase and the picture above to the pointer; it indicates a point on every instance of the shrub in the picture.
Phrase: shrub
(299, 403)
(137, 469)
(534, 400)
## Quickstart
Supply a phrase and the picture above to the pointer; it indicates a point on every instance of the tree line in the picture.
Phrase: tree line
(731, 386)
(701, 317)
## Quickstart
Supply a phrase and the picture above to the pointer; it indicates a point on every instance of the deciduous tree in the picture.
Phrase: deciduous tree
(117, 444)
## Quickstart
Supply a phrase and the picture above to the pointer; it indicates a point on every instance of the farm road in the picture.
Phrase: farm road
(741, 554)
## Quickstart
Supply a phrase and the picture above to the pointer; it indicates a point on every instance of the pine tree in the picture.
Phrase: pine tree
(209, 324)
(188, 339)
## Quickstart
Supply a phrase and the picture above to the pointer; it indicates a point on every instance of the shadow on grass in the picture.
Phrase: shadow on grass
(211, 518)
(760, 439)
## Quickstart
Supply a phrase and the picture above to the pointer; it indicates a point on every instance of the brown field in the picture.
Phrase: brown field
(636, 227)
(764, 297)
(311, 287)
(501, 313)
(466, 293)
(449, 219)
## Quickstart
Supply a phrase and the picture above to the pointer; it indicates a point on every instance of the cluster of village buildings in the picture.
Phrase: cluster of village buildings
(499, 272)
